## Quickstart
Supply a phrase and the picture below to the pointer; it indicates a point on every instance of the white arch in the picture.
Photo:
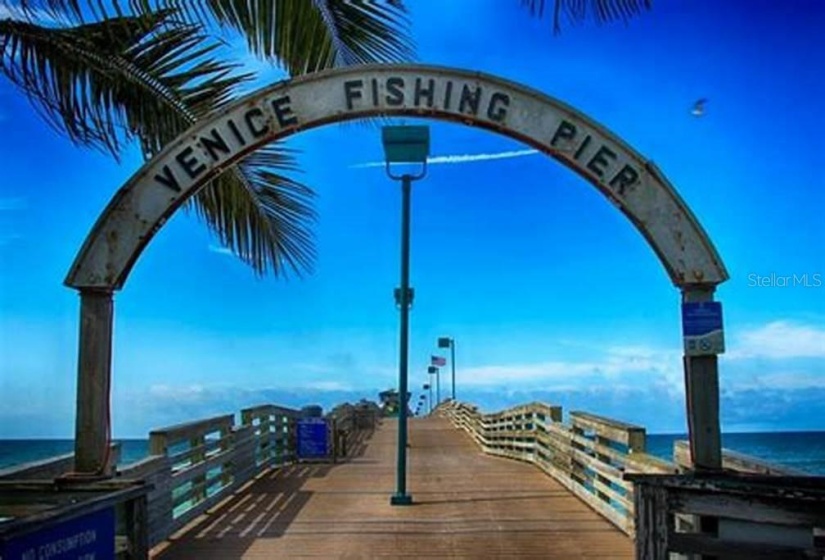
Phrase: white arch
(633, 183)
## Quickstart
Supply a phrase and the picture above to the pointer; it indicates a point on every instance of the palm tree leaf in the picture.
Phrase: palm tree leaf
(577, 11)
(64, 70)
(107, 82)
(305, 35)
(262, 215)
(103, 84)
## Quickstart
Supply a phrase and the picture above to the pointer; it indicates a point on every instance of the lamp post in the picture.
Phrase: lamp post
(447, 342)
(428, 386)
(404, 144)
(432, 370)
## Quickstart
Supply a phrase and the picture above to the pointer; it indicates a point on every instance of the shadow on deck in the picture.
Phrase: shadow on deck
(467, 505)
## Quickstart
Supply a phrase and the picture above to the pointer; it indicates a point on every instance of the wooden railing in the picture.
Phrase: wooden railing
(37, 517)
(589, 456)
(53, 467)
(352, 427)
(193, 466)
(734, 461)
(274, 431)
(757, 516)
(756, 509)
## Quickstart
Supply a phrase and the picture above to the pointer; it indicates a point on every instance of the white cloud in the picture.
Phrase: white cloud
(328, 386)
(782, 380)
(779, 340)
(614, 366)
(462, 158)
(178, 393)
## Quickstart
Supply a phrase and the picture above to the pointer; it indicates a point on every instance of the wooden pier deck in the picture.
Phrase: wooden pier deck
(467, 505)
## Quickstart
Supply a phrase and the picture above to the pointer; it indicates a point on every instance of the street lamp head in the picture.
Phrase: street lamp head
(406, 144)
(444, 342)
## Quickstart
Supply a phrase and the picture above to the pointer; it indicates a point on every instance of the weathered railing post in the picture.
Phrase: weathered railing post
(94, 377)
(702, 394)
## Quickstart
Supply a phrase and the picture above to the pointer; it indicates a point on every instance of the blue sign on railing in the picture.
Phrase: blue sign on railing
(313, 438)
(702, 328)
(90, 537)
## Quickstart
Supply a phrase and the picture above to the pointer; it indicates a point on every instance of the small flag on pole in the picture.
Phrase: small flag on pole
(438, 361)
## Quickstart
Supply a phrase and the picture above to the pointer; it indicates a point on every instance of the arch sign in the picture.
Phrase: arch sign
(164, 183)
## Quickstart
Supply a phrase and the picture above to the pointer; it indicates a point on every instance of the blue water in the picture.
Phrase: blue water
(17, 451)
(800, 450)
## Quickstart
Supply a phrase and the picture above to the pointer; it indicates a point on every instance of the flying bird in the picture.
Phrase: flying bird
(699, 107)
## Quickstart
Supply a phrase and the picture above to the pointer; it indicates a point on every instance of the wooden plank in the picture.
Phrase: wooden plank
(653, 526)
(200, 469)
(476, 507)
(797, 487)
(751, 508)
(621, 521)
(614, 430)
(145, 467)
(612, 473)
(204, 448)
(52, 467)
(735, 461)
(89, 504)
(644, 463)
(612, 494)
(137, 527)
(45, 468)
(198, 491)
(188, 430)
(736, 550)
(271, 410)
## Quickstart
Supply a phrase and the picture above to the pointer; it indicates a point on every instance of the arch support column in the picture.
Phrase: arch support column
(702, 396)
(94, 375)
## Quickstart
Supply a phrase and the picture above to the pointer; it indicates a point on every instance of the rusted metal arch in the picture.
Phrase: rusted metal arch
(144, 203)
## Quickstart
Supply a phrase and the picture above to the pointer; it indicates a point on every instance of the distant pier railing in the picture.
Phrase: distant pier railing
(758, 509)
(588, 456)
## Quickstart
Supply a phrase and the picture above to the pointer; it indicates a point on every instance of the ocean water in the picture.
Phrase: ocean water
(800, 450)
(18, 451)
(804, 451)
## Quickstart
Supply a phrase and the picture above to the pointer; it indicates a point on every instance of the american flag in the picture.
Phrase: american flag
(438, 361)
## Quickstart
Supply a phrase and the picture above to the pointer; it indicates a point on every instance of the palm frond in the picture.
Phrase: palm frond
(147, 78)
(261, 214)
(305, 35)
(69, 75)
(577, 11)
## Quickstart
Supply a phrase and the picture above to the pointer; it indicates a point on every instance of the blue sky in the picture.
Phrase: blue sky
(549, 292)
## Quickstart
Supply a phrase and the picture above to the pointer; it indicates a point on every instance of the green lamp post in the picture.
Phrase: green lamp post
(404, 144)
(447, 342)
